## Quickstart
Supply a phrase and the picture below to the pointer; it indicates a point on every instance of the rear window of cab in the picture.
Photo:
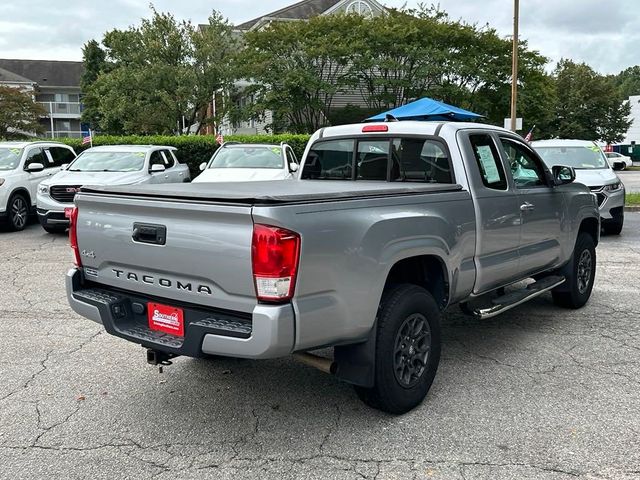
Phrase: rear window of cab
(404, 159)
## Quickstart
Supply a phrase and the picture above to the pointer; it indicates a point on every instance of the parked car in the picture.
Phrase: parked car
(23, 165)
(389, 224)
(619, 161)
(593, 170)
(106, 165)
(235, 162)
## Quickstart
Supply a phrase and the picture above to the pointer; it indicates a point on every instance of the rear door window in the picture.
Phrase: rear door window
(488, 161)
(330, 160)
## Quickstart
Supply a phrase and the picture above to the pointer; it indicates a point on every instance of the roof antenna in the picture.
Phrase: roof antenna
(390, 118)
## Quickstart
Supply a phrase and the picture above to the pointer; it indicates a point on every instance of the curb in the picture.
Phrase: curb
(635, 208)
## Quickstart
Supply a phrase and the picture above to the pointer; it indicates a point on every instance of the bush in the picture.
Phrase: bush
(194, 149)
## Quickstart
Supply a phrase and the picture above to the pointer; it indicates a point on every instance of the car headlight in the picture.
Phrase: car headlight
(43, 189)
(613, 187)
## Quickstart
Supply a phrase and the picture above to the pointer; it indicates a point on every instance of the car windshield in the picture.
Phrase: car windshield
(108, 162)
(577, 157)
(9, 158)
(248, 157)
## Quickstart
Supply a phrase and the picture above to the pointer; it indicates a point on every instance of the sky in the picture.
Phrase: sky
(604, 34)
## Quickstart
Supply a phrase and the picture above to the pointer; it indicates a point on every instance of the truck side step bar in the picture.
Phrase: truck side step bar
(506, 302)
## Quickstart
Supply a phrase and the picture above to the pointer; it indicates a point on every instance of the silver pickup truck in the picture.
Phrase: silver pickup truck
(388, 225)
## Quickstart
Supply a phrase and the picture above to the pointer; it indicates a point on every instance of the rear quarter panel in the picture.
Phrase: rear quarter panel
(349, 247)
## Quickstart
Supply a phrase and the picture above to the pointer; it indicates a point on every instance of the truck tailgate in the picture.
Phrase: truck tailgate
(208, 244)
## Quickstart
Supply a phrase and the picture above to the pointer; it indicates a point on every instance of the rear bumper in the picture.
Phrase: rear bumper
(268, 332)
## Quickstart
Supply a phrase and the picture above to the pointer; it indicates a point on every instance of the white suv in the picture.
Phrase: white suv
(23, 165)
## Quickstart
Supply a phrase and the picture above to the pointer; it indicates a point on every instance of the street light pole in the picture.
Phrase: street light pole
(514, 64)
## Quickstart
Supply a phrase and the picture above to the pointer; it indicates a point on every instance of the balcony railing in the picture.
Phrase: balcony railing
(65, 134)
(64, 108)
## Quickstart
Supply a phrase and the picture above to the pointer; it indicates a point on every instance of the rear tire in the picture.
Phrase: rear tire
(18, 212)
(407, 350)
(580, 273)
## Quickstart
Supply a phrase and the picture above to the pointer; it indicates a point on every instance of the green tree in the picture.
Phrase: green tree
(628, 81)
(95, 64)
(162, 74)
(588, 106)
(19, 114)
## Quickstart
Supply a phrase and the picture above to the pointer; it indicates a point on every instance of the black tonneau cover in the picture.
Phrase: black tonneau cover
(274, 191)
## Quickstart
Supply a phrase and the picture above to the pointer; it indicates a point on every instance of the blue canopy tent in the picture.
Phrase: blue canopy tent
(426, 109)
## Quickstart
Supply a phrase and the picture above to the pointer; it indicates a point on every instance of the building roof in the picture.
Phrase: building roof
(298, 11)
(45, 72)
(9, 77)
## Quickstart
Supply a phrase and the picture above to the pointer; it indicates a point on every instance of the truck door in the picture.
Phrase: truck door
(541, 205)
(497, 212)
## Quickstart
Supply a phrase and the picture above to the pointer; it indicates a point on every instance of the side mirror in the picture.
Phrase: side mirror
(563, 175)
(35, 167)
(157, 168)
(293, 167)
(203, 166)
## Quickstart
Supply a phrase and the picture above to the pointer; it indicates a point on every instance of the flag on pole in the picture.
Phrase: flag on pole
(219, 139)
(87, 138)
(529, 135)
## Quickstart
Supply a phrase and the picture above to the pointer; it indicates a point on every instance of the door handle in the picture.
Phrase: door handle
(527, 207)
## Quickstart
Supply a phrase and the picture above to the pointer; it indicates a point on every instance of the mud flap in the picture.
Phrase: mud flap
(356, 364)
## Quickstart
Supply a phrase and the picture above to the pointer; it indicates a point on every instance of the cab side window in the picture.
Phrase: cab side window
(156, 159)
(35, 155)
(526, 168)
(168, 159)
(488, 161)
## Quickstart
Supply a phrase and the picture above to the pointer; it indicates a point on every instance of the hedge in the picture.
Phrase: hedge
(193, 149)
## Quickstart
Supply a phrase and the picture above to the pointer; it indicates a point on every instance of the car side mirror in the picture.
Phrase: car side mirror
(157, 168)
(293, 167)
(35, 167)
(563, 175)
(203, 166)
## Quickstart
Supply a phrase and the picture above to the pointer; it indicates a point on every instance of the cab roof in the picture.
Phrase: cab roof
(404, 127)
(129, 148)
(27, 143)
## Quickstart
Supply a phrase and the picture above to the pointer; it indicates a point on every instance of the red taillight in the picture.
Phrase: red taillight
(275, 253)
(73, 235)
(375, 128)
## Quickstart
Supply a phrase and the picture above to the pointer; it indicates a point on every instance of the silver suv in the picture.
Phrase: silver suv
(23, 165)
(593, 170)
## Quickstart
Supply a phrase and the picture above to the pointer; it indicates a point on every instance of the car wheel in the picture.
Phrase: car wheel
(407, 350)
(614, 226)
(18, 210)
(580, 274)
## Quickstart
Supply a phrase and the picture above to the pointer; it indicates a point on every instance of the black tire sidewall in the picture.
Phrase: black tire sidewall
(10, 221)
(397, 305)
(584, 242)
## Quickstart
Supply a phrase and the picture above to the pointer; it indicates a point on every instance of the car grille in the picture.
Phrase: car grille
(64, 193)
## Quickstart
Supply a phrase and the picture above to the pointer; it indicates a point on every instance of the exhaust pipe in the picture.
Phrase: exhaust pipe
(323, 364)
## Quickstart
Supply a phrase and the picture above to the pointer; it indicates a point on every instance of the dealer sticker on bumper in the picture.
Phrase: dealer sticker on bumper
(164, 318)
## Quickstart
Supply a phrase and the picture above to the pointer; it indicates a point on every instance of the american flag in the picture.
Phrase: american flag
(87, 138)
(219, 139)
(529, 135)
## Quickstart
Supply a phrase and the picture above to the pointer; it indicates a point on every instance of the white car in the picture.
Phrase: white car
(236, 162)
(594, 171)
(619, 161)
(23, 165)
(106, 165)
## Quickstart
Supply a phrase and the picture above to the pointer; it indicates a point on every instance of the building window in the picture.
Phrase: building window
(361, 8)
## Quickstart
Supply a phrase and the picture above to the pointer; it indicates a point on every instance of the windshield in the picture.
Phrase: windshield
(108, 162)
(248, 157)
(576, 157)
(9, 158)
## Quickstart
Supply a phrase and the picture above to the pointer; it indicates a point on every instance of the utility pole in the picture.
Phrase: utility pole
(514, 64)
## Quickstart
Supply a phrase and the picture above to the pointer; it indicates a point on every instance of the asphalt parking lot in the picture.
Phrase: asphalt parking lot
(539, 393)
(631, 180)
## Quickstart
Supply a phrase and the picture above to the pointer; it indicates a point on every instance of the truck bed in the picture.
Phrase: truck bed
(275, 191)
